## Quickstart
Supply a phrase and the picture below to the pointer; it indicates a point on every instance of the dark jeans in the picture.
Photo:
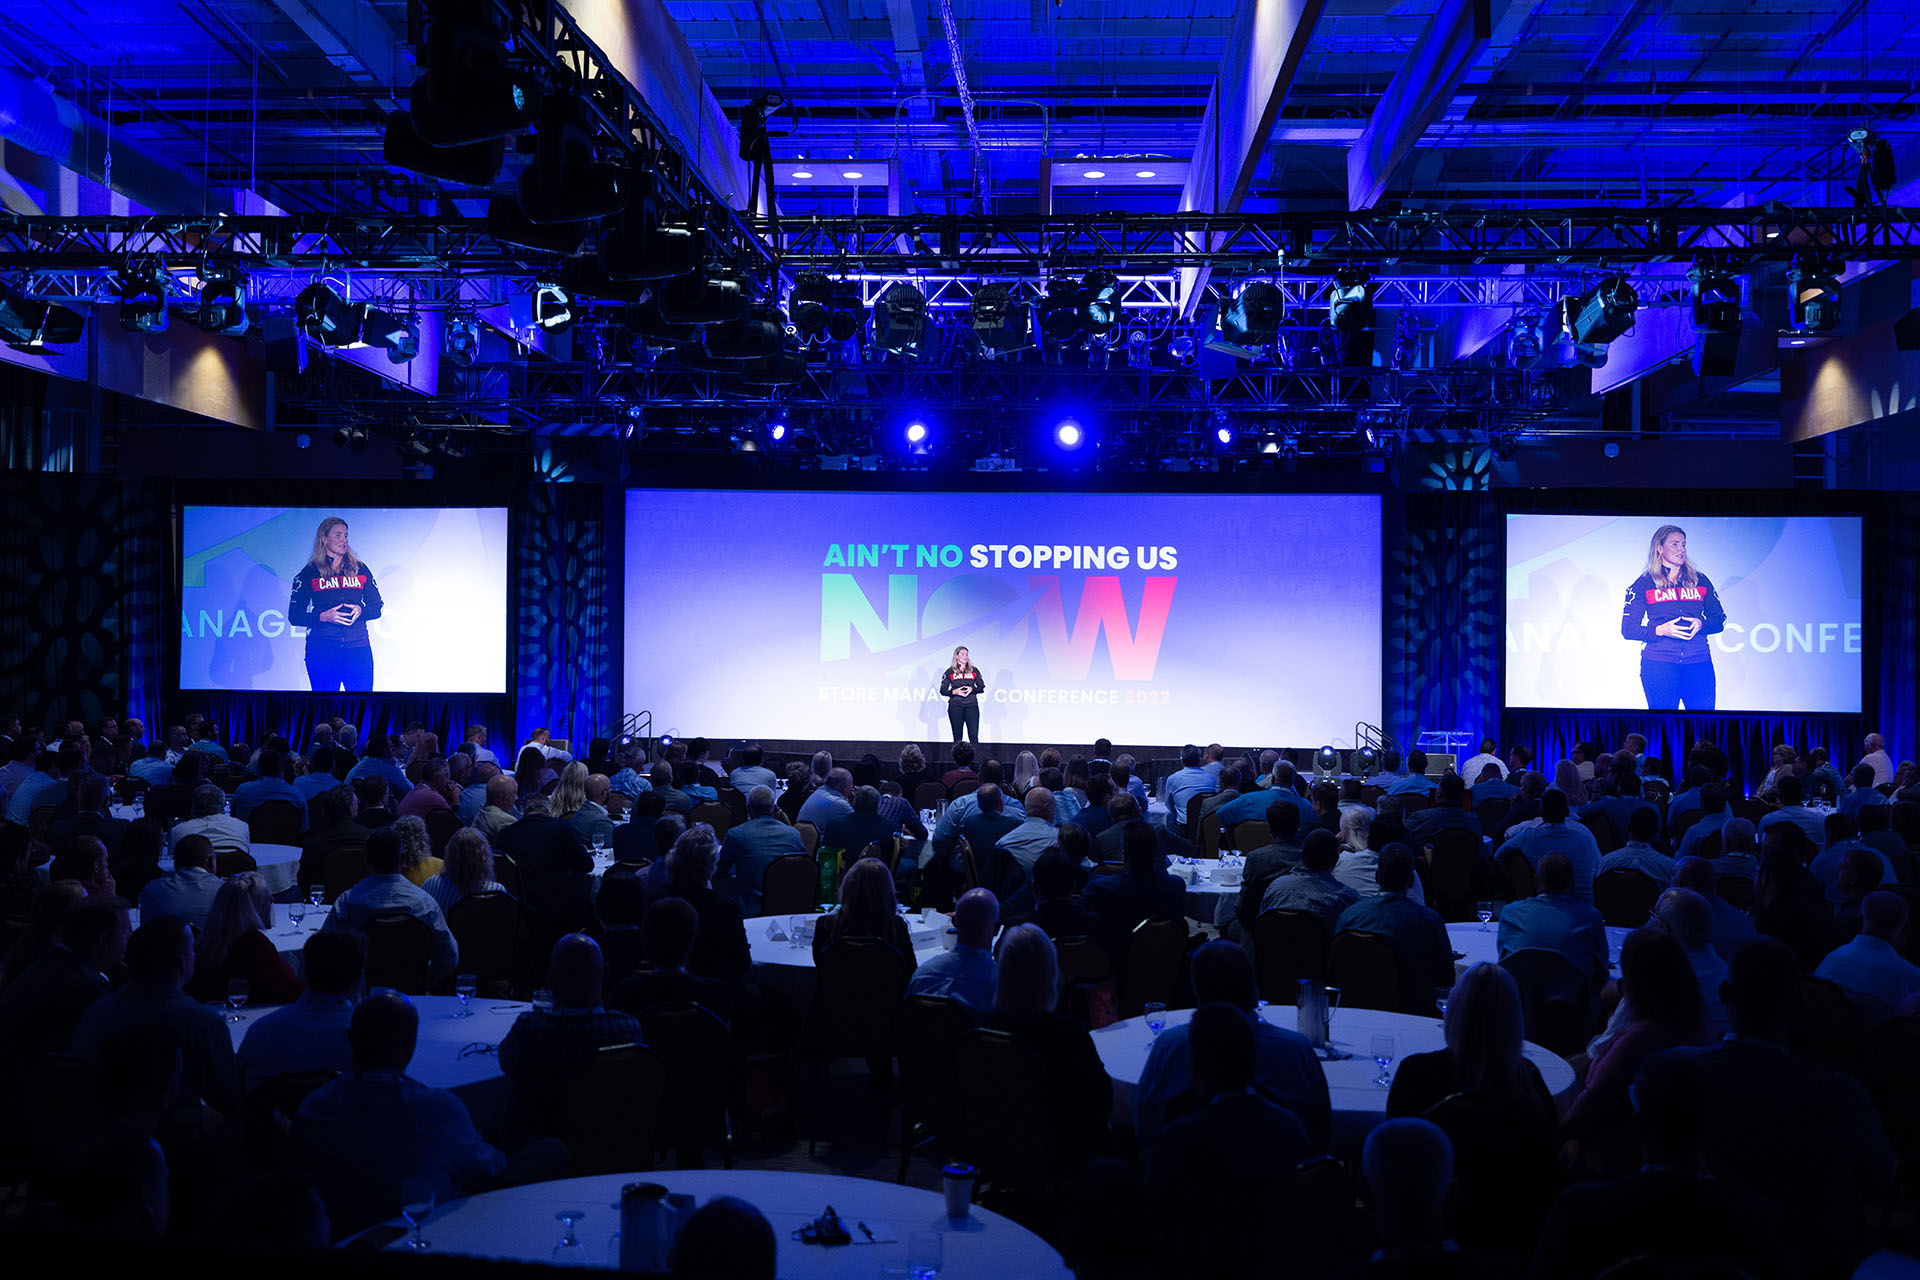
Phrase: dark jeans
(1669, 685)
(331, 669)
(964, 714)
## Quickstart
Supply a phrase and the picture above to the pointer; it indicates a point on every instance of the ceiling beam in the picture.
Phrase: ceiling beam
(354, 38)
(909, 43)
(1270, 37)
(1419, 92)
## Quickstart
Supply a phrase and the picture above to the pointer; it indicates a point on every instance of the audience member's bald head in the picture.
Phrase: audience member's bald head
(1039, 803)
(1694, 873)
(599, 787)
(1883, 915)
(383, 1031)
(502, 791)
(576, 972)
(976, 917)
(1556, 873)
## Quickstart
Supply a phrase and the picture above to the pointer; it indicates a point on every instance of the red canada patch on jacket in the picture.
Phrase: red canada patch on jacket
(340, 582)
(1667, 595)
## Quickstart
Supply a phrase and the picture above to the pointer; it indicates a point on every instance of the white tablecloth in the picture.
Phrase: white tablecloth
(1479, 944)
(436, 1057)
(1358, 1103)
(518, 1224)
(787, 970)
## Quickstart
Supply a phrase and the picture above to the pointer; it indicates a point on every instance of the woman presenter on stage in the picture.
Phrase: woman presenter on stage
(334, 598)
(961, 686)
(1672, 608)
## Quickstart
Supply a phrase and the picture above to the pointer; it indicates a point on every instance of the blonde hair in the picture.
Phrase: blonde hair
(866, 899)
(469, 861)
(320, 558)
(1026, 772)
(1356, 825)
(1027, 979)
(415, 845)
(957, 651)
(572, 791)
(1656, 567)
(1484, 1029)
(242, 904)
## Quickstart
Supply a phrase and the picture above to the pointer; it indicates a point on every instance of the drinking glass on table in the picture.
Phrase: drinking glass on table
(1440, 998)
(1383, 1058)
(1333, 1007)
(925, 1255)
(1485, 911)
(416, 1202)
(296, 912)
(236, 997)
(1156, 1018)
(599, 843)
(571, 1251)
(317, 896)
(466, 986)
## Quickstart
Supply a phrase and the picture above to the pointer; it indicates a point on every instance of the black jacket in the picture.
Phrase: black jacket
(952, 682)
(1647, 606)
(315, 591)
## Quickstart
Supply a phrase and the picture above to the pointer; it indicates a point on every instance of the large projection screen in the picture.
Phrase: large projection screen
(439, 575)
(1783, 591)
(1244, 619)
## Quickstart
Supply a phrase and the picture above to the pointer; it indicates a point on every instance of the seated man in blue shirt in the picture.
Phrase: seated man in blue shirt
(543, 1047)
(1624, 802)
(1182, 785)
(1555, 834)
(1685, 801)
(1284, 1063)
(966, 972)
(1416, 781)
(1638, 853)
(385, 891)
(1843, 836)
(1313, 887)
(1252, 806)
(1416, 933)
(270, 785)
(1390, 770)
(311, 1033)
(377, 762)
(1812, 822)
(1556, 919)
(1446, 813)
(1861, 792)
(751, 773)
(1713, 818)
(1870, 968)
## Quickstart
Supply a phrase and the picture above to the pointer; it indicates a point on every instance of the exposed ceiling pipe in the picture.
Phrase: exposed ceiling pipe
(34, 117)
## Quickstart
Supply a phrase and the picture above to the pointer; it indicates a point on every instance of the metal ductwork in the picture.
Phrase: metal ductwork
(32, 116)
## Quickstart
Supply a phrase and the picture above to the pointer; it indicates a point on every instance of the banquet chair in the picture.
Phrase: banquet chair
(399, 949)
(441, 824)
(1365, 968)
(1737, 890)
(125, 789)
(736, 805)
(859, 983)
(695, 1047)
(266, 1118)
(1107, 869)
(1210, 835)
(507, 872)
(1087, 972)
(790, 886)
(1370, 797)
(1520, 875)
(1556, 999)
(1625, 897)
(345, 867)
(809, 837)
(714, 814)
(485, 926)
(1603, 833)
(1288, 946)
(928, 795)
(1450, 873)
(1709, 846)
(969, 868)
(1414, 801)
(926, 1034)
(1493, 816)
(965, 787)
(1152, 973)
(610, 1110)
(1190, 827)
(1750, 808)
(231, 862)
(1312, 1210)
(1680, 824)
(887, 851)
(1826, 1029)
(1248, 836)
(274, 822)
(1002, 1097)
(1506, 1170)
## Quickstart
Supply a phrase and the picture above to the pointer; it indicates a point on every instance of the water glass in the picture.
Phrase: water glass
(296, 912)
(317, 896)
(1485, 911)
(925, 1255)
(416, 1202)
(1333, 1007)
(1440, 998)
(1156, 1018)
(599, 842)
(466, 986)
(236, 997)
(1383, 1058)
(571, 1251)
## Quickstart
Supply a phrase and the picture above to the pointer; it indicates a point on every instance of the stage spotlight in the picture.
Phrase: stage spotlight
(469, 91)
(1603, 313)
(1326, 762)
(552, 307)
(777, 431)
(463, 342)
(1061, 317)
(999, 322)
(1184, 349)
(350, 437)
(565, 183)
(326, 317)
(1139, 350)
(807, 305)
(30, 324)
(1100, 297)
(1350, 300)
(414, 450)
(1406, 339)
(720, 298)
(396, 335)
(1223, 435)
(1365, 760)
(1527, 342)
(1068, 433)
(472, 164)
(1813, 295)
(1876, 168)
(917, 437)
(143, 297)
(223, 299)
(1715, 297)
(900, 319)
(916, 431)
(762, 334)
(1252, 318)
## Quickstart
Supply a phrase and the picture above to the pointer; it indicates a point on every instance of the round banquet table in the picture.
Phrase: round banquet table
(1474, 943)
(289, 938)
(518, 1224)
(1358, 1103)
(781, 967)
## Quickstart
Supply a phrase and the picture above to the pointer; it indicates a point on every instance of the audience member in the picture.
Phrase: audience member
(556, 867)
(866, 911)
(271, 785)
(720, 951)
(1414, 931)
(1057, 906)
(40, 1009)
(1484, 1029)
(1186, 782)
(544, 1047)
(386, 891)
(856, 828)
(417, 862)
(1146, 890)
(85, 859)
(1684, 914)
(724, 1239)
(1870, 968)
(1731, 926)
(966, 970)
(1314, 887)
(226, 834)
(1233, 1137)
(333, 825)
(92, 817)
(188, 890)
(750, 848)
(1556, 835)
(311, 1033)
(236, 946)
(833, 797)
(1265, 863)
(1638, 853)
(668, 932)
(466, 870)
(377, 762)
(1078, 1093)
(1408, 1167)
(1556, 919)
(501, 810)
(1811, 822)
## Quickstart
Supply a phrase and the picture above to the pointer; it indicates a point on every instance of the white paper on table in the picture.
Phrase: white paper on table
(774, 932)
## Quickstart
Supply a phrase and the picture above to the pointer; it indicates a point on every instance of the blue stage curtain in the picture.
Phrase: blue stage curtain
(1747, 739)
(1892, 552)
(1443, 618)
(561, 621)
(248, 717)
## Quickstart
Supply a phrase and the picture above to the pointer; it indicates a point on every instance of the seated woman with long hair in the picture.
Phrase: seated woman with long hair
(466, 870)
(415, 765)
(235, 945)
(1079, 1094)
(1485, 1027)
(1663, 1009)
(1567, 781)
(1355, 826)
(417, 862)
(866, 911)
(532, 772)
(572, 791)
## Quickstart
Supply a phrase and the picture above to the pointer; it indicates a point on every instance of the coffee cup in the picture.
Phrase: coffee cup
(957, 1181)
(949, 938)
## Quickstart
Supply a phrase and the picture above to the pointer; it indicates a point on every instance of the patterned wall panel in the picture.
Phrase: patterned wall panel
(562, 628)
